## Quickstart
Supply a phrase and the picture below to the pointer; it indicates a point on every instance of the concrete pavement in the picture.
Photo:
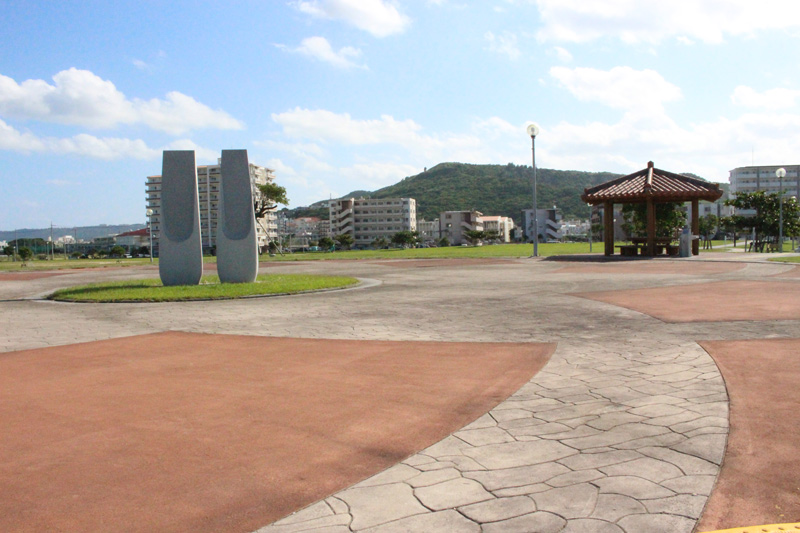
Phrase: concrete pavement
(623, 430)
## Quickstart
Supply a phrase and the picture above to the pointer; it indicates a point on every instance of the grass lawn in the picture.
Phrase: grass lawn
(795, 259)
(151, 290)
(495, 250)
(59, 263)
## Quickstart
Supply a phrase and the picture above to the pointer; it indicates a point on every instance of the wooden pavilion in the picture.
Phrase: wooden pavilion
(651, 186)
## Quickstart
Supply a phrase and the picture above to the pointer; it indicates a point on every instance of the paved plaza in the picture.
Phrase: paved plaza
(630, 426)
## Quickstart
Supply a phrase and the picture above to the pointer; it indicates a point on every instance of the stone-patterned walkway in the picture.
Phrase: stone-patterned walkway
(627, 439)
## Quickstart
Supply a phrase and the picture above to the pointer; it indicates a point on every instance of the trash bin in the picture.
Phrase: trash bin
(685, 243)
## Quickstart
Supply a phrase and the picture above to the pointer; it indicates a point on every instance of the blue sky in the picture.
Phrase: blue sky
(340, 95)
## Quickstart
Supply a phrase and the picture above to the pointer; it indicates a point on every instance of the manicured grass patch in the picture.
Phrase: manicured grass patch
(496, 250)
(62, 264)
(795, 259)
(151, 290)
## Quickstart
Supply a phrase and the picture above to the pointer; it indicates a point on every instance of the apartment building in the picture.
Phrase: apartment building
(500, 225)
(429, 230)
(208, 179)
(454, 225)
(763, 178)
(548, 224)
(368, 219)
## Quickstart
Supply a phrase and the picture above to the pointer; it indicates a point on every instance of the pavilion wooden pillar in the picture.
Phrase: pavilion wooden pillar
(695, 226)
(651, 227)
(608, 227)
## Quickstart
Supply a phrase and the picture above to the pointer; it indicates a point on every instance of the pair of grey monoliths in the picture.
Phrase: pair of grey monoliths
(180, 255)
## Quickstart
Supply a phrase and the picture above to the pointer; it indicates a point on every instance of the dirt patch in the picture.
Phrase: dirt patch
(651, 267)
(760, 480)
(191, 432)
(710, 302)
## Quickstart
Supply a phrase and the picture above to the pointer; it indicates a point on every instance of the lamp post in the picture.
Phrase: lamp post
(149, 213)
(781, 173)
(533, 131)
(590, 227)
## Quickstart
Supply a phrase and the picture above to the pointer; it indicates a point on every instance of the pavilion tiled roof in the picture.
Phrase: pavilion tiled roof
(651, 182)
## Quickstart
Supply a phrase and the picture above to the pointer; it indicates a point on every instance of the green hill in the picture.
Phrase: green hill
(491, 189)
(494, 189)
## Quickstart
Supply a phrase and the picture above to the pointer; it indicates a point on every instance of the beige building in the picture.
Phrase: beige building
(368, 219)
(454, 224)
(763, 178)
(500, 225)
(428, 230)
(208, 177)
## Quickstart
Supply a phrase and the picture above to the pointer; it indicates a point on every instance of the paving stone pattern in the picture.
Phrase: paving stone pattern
(628, 439)
(622, 431)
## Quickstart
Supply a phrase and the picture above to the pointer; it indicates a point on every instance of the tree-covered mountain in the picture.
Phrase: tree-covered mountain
(491, 189)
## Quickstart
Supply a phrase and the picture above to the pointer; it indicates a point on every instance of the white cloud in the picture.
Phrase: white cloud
(505, 44)
(84, 145)
(373, 176)
(343, 129)
(562, 54)
(709, 148)
(620, 87)
(320, 49)
(81, 98)
(378, 17)
(771, 99)
(635, 21)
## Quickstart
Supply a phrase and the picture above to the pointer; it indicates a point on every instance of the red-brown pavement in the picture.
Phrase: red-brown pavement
(760, 478)
(193, 432)
(710, 302)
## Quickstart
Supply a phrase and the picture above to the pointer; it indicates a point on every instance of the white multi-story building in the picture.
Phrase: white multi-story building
(501, 225)
(454, 224)
(763, 178)
(548, 224)
(208, 178)
(429, 230)
(368, 219)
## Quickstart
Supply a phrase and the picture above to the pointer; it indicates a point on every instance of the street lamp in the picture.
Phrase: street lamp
(533, 131)
(590, 227)
(781, 173)
(149, 213)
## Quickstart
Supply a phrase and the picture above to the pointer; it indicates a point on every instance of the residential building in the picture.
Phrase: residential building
(429, 230)
(454, 225)
(500, 225)
(133, 239)
(368, 219)
(763, 178)
(208, 181)
(548, 224)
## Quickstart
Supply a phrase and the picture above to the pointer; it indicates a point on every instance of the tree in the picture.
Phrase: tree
(8, 251)
(491, 236)
(380, 243)
(25, 253)
(345, 240)
(765, 221)
(405, 238)
(326, 243)
(708, 227)
(473, 236)
(266, 197)
(669, 219)
(117, 251)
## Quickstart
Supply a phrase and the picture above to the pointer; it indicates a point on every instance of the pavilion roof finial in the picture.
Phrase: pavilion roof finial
(650, 164)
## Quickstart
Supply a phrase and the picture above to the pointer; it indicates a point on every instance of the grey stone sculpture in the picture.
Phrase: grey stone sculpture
(180, 255)
(237, 243)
